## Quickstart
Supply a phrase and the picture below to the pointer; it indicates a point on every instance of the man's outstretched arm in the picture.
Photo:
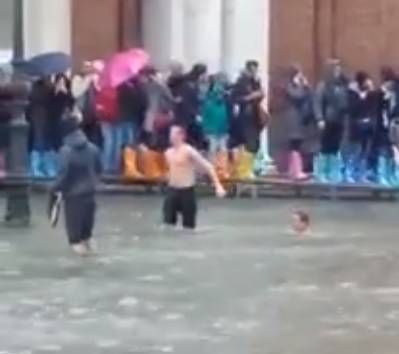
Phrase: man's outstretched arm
(207, 166)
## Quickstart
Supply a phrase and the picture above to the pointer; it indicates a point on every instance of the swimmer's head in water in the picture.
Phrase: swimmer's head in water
(177, 135)
(300, 221)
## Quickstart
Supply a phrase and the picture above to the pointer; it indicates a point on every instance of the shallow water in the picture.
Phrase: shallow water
(241, 284)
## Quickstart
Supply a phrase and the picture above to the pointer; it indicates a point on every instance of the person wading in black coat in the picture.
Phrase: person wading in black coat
(80, 168)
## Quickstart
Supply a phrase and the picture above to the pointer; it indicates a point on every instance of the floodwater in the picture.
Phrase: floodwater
(242, 284)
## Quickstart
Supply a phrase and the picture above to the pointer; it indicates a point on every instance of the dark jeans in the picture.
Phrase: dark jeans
(79, 217)
(180, 201)
(331, 138)
(295, 145)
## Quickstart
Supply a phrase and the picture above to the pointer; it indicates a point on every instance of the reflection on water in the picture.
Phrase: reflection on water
(241, 284)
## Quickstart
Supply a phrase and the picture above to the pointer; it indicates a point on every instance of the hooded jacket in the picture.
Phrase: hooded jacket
(80, 166)
(331, 98)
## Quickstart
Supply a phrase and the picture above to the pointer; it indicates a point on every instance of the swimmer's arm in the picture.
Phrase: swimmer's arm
(207, 166)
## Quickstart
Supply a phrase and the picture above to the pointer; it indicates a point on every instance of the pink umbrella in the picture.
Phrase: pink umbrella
(123, 66)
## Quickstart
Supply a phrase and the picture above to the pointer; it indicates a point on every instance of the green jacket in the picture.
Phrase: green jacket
(214, 113)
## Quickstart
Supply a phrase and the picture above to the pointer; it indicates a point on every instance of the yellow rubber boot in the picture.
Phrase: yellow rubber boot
(153, 164)
(243, 162)
(130, 163)
(221, 163)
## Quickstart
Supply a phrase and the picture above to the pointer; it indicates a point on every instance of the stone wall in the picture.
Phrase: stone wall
(103, 27)
(363, 33)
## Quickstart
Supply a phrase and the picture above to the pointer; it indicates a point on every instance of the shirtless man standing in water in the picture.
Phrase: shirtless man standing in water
(182, 161)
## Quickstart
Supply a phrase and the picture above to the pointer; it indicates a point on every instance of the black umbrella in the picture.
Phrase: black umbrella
(47, 64)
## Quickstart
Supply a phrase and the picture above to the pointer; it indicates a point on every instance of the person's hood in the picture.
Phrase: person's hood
(76, 140)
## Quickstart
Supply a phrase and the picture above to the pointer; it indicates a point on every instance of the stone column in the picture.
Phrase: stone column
(47, 26)
(14, 98)
(203, 32)
(246, 35)
(163, 30)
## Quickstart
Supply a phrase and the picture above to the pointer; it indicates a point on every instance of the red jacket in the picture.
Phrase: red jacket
(106, 104)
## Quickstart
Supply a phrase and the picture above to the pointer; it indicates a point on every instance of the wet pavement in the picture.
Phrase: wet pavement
(242, 284)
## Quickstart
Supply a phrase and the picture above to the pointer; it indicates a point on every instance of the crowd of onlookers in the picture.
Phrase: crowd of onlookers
(354, 123)
(130, 123)
(345, 128)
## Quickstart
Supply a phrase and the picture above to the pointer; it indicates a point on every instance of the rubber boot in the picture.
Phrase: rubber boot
(153, 164)
(383, 176)
(391, 172)
(49, 164)
(334, 168)
(36, 164)
(2, 164)
(395, 180)
(258, 167)
(363, 172)
(348, 170)
(130, 164)
(295, 166)
(243, 164)
(221, 164)
(318, 168)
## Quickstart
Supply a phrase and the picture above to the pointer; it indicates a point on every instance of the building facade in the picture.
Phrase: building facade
(362, 33)
(222, 33)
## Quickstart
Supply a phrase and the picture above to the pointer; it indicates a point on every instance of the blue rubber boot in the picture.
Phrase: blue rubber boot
(392, 173)
(319, 166)
(363, 172)
(395, 179)
(348, 170)
(50, 164)
(335, 168)
(383, 172)
(36, 164)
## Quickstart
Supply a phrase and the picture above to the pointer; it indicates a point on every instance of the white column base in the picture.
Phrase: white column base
(264, 164)
(47, 26)
(203, 33)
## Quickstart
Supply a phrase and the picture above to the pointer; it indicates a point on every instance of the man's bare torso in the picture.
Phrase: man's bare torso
(181, 167)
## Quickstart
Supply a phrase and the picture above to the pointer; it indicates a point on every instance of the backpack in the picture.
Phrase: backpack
(106, 106)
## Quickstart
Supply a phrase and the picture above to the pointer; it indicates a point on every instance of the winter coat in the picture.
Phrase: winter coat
(188, 103)
(159, 102)
(38, 115)
(246, 115)
(331, 100)
(362, 112)
(297, 110)
(132, 101)
(387, 113)
(80, 166)
(215, 112)
(60, 104)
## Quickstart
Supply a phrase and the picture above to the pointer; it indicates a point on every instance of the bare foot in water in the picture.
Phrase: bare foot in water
(91, 246)
(81, 250)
